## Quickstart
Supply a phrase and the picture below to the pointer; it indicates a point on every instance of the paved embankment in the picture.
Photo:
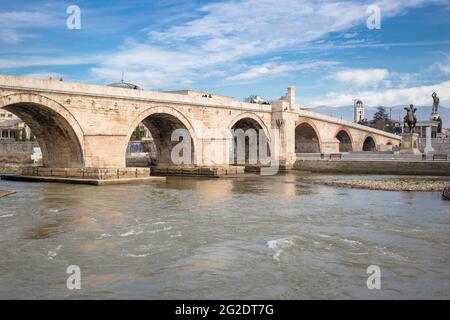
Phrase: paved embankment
(397, 167)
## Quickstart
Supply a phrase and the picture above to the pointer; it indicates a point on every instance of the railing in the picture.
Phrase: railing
(435, 140)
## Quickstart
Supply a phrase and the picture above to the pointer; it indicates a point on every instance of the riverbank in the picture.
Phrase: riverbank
(387, 184)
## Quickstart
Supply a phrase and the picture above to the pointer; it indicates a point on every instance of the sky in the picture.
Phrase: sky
(239, 48)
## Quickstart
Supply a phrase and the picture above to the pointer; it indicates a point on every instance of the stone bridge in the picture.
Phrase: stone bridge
(89, 126)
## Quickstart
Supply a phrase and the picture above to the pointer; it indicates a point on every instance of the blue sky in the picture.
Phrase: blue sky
(239, 48)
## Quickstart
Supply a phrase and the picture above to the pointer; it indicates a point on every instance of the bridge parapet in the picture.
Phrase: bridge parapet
(89, 90)
(321, 117)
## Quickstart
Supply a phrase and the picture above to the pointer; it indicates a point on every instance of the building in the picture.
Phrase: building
(11, 126)
(358, 111)
(421, 128)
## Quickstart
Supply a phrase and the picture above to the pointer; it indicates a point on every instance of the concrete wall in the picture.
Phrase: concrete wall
(13, 152)
(437, 168)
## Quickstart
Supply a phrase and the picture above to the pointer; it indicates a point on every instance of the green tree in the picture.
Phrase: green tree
(17, 134)
(381, 120)
(24, 134)
(138, 134)
(363, 122)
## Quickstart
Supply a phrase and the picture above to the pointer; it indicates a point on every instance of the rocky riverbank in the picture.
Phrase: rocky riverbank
(387, 184)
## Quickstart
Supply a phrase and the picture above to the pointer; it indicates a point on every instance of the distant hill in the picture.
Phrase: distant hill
(346, 113)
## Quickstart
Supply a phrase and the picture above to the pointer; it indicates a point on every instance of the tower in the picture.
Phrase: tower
(358, 111)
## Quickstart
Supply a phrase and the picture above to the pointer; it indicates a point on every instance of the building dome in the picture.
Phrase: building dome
(125, 85)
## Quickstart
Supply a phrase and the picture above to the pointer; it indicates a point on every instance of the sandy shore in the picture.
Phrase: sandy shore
(388, 184)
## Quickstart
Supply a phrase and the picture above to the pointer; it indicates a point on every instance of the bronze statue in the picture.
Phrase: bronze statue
(410, 118)
(435, 102)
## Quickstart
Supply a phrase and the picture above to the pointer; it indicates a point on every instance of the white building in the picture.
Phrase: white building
(10, 125)
(358, 111)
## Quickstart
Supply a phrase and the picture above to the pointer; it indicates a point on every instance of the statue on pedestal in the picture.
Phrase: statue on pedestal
(434, 112)
(410, 118)
(435, 103)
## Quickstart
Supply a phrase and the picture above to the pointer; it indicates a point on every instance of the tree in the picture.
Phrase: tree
(363, 122)
(381, 120)
(24, 134)
(138, 134)
(32, 137)
(17, 134)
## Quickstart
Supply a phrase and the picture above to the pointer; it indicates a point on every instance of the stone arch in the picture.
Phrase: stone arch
(345, 140)
(369, 144)
(242, 153)
(307, 138)
(57, 131)
(255, 118)
(161, 121)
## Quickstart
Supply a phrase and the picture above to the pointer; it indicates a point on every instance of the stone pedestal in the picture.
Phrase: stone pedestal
(410, 144)
(434, 116)
(428, 146)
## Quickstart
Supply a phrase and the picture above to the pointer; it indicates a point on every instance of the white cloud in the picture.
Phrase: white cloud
(420, 95)
(272, 69)
(13, 24)
(361, 77)
(25, 19)
(39, 61)
(45, 75)
(11, 36)
(444, 68)
(350, 35)
(230, 31)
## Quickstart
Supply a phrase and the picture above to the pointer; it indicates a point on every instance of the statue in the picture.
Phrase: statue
(410, 118)
(435, 103)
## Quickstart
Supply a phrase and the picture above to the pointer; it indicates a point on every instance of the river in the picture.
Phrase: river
(243, 238)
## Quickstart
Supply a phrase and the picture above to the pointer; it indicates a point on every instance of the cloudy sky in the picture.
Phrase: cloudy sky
(239, 48)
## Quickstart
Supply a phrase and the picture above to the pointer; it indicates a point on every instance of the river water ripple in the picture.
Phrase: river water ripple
(245, 238)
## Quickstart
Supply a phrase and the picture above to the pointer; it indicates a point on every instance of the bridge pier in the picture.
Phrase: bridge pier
(104, 151)
(330, 146)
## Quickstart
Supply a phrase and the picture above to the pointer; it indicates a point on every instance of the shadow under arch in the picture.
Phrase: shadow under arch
(57, 132)
(162, 121)
(242, 152)
(369, 144)
(345, 140)
(307, 139)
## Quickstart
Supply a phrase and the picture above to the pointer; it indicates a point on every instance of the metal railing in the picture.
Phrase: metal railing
(435, 140)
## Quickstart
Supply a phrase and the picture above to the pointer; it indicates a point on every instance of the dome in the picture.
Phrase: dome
(125, 85)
